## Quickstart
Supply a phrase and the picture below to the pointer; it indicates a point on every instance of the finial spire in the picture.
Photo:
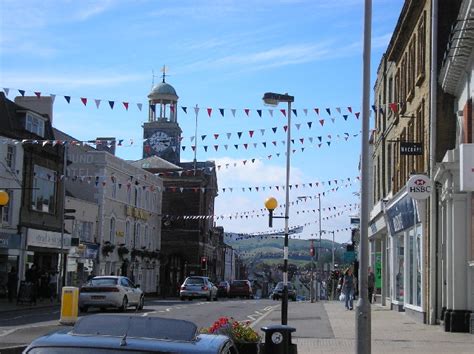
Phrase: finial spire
(163, 70)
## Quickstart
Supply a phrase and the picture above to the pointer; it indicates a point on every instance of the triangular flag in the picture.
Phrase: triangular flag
(251, 133)
(139, 106)
(328, 110)
(344, 116)
(338, 109)
(7, 90)
(259, 112)
(228, 135)
(274, 129)
(357, 114)
(262, 131)
(246, 110)
(305, 110)
(233, 112)
(349, 109)
(270, 111)
(285, 128)
(84, 101)
(310, 124)
(298, 125)
(239, 134)
(283, 111)
(321, 121)
(185, 109)
(393, 107)
(317, 111)
(125, 104)
(203, 137)
(97, 103)
(22, 92)
(221, 110)
(216, 136)
(209, 111)
(294, 112)
(38, 94)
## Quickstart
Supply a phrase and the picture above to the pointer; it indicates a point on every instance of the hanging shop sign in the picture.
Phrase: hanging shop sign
(408, 148)
(9, 240)
(400, 216)
(419, 187)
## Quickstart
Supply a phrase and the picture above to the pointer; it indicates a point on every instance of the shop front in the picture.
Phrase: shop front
(45, 248)
(405, 252)
(9, 258)
(378, 262)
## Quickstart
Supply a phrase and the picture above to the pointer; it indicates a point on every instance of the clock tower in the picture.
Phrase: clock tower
(162, 134)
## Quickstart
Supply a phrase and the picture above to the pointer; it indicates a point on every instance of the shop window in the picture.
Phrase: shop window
(399, 264)
(44, 189)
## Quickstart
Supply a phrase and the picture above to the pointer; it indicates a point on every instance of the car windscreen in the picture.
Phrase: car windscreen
(194, 281)
(103, 281)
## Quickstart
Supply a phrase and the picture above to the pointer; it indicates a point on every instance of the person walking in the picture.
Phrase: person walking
(348, 289)
(371, 284)
(12, 284)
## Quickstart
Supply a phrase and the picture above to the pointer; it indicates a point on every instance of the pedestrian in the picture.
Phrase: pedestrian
(348, 288)
(53, 285)
(371, 284)
(12, 284)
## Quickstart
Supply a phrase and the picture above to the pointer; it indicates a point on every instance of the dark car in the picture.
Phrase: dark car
(223, 289)
(106, 334)
(278, 292)
(241, 288)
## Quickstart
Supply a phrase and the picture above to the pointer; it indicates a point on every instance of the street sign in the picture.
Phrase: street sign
(407, 148)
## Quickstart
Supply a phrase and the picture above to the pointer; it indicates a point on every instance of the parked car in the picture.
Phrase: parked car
(223, 289)
(241, 288)
(198, 287)
(278, 291)
(115, 333)
(110, 291)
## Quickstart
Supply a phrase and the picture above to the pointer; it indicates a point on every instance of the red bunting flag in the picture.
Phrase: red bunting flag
(349, 109)
(317, 111)
(209, 111)
(216, 136)
(285, 128)
(393, 107)
(357, 115)
(283, 111)
(38, 94)
(321, 121)
(251, 133)
(84, 100)
(246, 110)
(125, 104)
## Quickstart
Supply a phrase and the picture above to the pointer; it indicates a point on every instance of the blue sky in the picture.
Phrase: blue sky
(219, 54)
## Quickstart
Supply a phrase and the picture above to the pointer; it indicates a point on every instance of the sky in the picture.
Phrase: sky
(219, 54)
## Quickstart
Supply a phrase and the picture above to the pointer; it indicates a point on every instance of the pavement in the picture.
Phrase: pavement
(6, 306)
(327, 327)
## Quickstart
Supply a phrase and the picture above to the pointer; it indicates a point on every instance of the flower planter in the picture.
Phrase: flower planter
(249, 348)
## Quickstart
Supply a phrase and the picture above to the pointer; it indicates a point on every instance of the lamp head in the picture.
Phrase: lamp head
(273, 99)
(271, 203)
(4, 198)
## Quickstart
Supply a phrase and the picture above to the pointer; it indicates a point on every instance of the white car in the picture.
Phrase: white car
(198, 287)
(110, 291)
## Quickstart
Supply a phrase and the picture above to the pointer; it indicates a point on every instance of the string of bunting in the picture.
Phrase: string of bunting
(98, 102)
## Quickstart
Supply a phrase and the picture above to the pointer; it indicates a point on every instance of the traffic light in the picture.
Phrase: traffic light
(69, 211)
(203, 263)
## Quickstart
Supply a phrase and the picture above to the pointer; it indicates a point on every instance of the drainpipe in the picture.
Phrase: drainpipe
(433, 115)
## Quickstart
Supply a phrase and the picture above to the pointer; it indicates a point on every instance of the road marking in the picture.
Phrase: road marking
(268, 310)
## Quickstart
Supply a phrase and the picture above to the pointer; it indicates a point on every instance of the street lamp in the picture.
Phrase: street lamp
(270, 98)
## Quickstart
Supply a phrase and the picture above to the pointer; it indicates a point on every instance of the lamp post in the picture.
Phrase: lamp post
(362, 313)
(274, 99)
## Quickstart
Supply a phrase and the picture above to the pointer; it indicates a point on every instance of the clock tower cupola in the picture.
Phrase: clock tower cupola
(162, 134)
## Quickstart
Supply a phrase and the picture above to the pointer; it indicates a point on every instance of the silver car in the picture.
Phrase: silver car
(198, 287)
(110, 291)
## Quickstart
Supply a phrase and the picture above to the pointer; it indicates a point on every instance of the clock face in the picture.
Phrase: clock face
(159, 141)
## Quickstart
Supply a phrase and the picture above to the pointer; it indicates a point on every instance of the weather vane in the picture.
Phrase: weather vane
(163, 70)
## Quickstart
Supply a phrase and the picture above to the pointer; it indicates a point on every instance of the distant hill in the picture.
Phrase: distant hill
(269, 249)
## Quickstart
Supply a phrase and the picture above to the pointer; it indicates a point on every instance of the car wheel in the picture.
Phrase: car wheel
(124, 306)
(182, 298)
(190, 298)
(83, 309)
(141, 303)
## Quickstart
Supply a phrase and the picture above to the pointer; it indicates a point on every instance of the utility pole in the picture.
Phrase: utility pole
(362, 313)
(320, 244)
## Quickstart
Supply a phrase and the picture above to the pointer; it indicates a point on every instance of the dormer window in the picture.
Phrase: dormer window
(34, 124)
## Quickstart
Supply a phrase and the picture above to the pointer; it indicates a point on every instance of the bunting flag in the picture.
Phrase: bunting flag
(246, 111)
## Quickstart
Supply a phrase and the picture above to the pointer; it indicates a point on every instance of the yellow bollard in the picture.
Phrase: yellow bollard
(69, 305)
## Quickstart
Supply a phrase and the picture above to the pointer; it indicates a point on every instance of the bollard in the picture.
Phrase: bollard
(69, 305)
(278, 340)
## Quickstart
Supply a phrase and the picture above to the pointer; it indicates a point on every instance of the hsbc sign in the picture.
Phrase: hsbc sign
(419, 187)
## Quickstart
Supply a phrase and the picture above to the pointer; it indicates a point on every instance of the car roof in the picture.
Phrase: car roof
(154, 334)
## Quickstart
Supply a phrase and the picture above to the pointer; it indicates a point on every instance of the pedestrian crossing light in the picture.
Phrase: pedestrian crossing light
(203, 263)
